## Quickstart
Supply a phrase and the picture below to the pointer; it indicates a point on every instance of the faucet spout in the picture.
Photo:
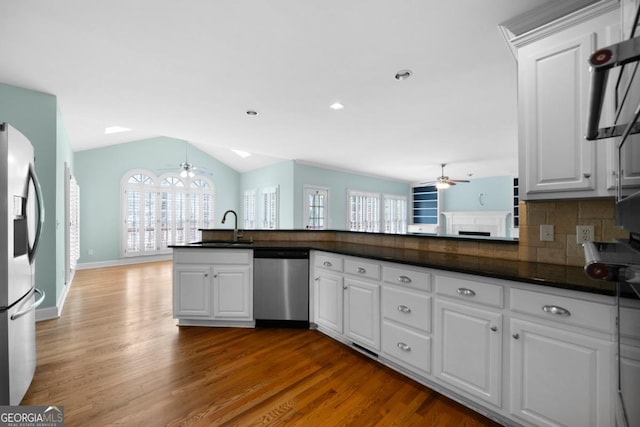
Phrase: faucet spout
(235, 225)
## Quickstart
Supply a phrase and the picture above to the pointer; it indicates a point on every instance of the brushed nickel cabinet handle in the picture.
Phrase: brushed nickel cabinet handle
(361, 270)
(404, 309)
(466, 292)
(404, 347)
(556, 311)
(404, 279)
(494, 329)
(327, 264)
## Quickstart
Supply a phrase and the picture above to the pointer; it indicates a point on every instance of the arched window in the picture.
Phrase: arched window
(164, 211)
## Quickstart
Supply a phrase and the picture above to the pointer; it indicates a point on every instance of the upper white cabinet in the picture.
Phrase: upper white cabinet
(556, 161)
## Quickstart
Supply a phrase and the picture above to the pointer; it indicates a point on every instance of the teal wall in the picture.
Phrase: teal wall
(279, 174)
(498, 195)
(99, 172)
(35, 114)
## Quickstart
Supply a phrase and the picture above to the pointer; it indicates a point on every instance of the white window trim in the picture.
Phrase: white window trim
(158, 189)
(250, 213)
(269, 195)
(306, 190)
(403, 221)
(373, 226)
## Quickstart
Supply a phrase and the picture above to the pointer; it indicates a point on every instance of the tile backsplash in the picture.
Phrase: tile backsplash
(564, 215)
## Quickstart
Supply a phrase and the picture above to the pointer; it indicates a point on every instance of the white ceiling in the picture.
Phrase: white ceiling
(191, 69)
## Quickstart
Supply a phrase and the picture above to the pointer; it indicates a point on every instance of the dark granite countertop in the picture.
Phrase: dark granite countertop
(557, 276)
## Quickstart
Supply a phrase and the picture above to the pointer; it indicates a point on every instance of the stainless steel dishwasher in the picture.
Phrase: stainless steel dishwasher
(281, 288)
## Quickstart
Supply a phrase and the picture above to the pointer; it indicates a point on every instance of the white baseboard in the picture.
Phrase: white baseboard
(48, 313)
(123, 261)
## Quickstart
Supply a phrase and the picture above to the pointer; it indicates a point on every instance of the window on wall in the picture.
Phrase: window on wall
(269, 206)
(316, 208)
(395, 214)
(249, 209)
(364, 211)
(260, 208)
(165, 211)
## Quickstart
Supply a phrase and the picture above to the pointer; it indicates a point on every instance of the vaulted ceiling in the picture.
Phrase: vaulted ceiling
(192, 69)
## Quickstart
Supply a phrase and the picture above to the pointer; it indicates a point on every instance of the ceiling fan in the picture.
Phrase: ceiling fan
(188, 169)
(443, 181)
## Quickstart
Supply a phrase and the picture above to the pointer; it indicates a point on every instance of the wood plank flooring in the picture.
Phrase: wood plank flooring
(116, 357)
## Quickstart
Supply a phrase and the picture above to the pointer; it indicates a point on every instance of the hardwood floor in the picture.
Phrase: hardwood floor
(116, 357)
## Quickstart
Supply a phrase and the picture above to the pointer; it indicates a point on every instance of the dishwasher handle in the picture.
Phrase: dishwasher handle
(281, 253)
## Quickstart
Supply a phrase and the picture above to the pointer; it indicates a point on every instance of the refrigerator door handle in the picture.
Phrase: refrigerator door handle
(33, 306)
(36, 185)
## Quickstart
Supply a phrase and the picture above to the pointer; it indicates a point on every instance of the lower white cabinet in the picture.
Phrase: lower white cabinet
(192, 291)
(559, 377)
(362, 313)
(232, 293)
(328, 297)
(468, 349)
(213, 287)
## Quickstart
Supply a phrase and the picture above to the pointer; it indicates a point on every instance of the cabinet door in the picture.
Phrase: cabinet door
(362, 313)
(559, 378)
(328, 300)
(468, 349)
(553, 88)
(232, 292)
(192, 291)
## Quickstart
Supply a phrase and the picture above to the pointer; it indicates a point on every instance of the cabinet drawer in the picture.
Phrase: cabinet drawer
(408, 347)
(470, 290)
(407, 277)
(212, 256)
(362, 268)
(571, 311)
(408, 307)
(330, 262)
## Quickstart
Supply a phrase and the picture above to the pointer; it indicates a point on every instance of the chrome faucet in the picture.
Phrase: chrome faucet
(235, 225)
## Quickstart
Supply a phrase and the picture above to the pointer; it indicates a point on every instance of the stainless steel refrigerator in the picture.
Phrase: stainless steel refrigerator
(21, 220)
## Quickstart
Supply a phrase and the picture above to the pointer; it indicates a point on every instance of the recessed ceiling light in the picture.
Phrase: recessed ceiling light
(336, 106)
(403, 74)
(241, 153)
(115, 129)
(252, 113)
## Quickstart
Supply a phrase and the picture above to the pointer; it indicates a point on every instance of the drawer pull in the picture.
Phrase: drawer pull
(361, 270)
(404, 309)
(404, 279)
(466, 292)
(494, 329)
(555, 310)
(327, 264)
(516, 336)
(404, 347)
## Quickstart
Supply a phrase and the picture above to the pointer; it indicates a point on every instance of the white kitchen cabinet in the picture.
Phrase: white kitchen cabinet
(362, 313)
(561, 358)
(407, 317)
(192, 292)
(327, 292)
(213, 287)
(468, 349)
(559, 377)
(232, 293)
(328, 297)
(553, 92)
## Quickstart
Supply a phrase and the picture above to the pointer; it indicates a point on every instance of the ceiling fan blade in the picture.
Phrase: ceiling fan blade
(459, 180)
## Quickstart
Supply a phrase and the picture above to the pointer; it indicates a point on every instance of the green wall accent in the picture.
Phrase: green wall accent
(35, 114)
(99, 172)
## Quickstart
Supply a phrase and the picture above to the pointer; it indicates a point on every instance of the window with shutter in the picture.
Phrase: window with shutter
(395, 214)
(270, 208)
(316, 207)
(364, 211)
(165, 211)
(249, 209)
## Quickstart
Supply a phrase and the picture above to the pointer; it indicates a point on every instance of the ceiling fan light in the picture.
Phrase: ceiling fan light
(442, 185)
(184, 173)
